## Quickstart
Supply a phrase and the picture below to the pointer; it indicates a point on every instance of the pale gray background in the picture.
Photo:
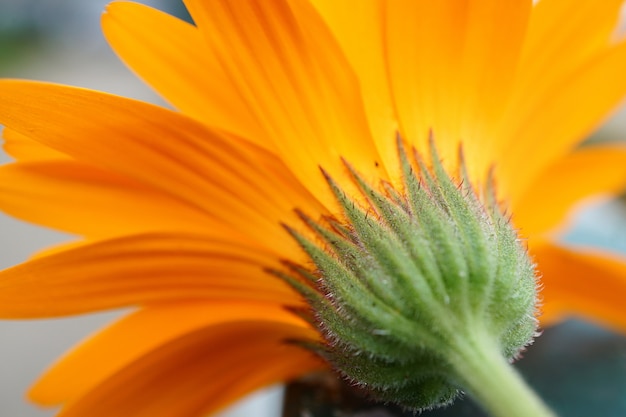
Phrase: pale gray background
(75, 53)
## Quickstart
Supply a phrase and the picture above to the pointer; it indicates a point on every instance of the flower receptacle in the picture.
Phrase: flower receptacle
(403, 289)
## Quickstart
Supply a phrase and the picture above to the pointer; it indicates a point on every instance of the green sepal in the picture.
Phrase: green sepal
(404, 282)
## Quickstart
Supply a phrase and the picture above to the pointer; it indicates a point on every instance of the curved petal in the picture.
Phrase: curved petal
(24, 149)
(290, 70)
(191, 368)
(581, 283)
(67, 195)
(556, 25)
(140, 270)
(492, 44)
(561, 118)
(450, 67)
(590, 172)
(172, 56)
(359, 29)
(548, 55)
(234, 182)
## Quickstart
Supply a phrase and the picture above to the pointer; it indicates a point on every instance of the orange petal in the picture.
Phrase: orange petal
(172, 56)
(139, 270)
(77, 198)
(493, 40)
(291, 72)
(450, 65)
(590, 26)
(183, 360)
(561, 117)
(548, 54)
(235, 182)
(359, 29)
(23, 148)
(581, 283)
(422, 71)
(589, 172)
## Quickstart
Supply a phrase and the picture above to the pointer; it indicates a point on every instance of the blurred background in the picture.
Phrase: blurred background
(578, 367)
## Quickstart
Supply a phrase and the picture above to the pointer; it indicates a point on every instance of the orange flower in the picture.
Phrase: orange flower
(180, 213)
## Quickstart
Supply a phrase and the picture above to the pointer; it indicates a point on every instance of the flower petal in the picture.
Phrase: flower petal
(213, 353)
(581, 283)
(561, 117)
(173, 57)
(67, 195)
(548, 54)
(290, 70)
(23, 148)
(234, 182)
(140, 270)
(450, 66)
(359, 29)
(593, 171)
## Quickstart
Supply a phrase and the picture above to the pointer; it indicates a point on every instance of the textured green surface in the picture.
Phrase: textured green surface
(416, 293)
(578, 369)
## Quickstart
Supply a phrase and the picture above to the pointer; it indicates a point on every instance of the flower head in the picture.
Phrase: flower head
(181, 214)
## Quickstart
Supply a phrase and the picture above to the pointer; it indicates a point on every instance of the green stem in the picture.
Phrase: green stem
(496, 385)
